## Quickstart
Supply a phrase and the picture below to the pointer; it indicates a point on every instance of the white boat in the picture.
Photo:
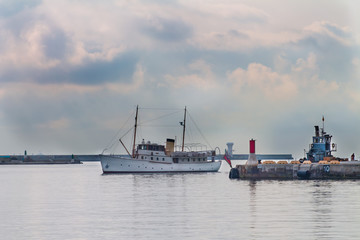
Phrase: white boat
(150, 157)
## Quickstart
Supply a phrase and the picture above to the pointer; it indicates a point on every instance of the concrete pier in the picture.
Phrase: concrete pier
(343, 170)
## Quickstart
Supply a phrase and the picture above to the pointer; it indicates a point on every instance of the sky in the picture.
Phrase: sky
(72, 72)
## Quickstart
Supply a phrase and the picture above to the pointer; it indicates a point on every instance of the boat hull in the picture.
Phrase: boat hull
(116, 164)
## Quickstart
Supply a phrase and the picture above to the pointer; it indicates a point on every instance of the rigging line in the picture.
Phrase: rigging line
(161, 108)
(139, 133)
(189, 132)
(127, 132)
(146, 125)
(118, 132)
(162, 116)
(200, 131)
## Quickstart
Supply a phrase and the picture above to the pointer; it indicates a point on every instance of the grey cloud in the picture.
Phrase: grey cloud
(54, 41)
(91, 72)
(333, 58)
(236, 33)
(121, 68)
(168, 30)
(336, 30)
(10, 8)
(55, 44)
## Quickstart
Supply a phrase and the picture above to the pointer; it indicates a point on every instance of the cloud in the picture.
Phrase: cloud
(29, 48)
(228, 10)
(10, 8)
(120, 68)
(129, 88)
(341, 34)
(58, 124)
(168, 30)
(201, 78)
(258, 79)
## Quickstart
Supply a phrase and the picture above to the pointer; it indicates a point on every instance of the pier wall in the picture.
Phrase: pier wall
(345, 170)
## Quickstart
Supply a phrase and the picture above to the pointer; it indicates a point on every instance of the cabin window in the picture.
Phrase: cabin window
(157, 158)
(151, 158)
(142, 157)
(163, 159)
(188, 159)
(175, 160)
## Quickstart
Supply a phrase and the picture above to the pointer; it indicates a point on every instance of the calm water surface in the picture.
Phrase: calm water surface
(78, 202)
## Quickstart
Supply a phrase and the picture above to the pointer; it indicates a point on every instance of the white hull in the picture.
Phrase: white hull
(117, 164)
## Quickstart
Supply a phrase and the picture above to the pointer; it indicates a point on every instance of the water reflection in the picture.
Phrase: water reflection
(80, 203)
(321, 210)
(253, 210)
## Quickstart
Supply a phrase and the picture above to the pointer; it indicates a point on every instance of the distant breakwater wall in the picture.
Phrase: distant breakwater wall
(46, 159)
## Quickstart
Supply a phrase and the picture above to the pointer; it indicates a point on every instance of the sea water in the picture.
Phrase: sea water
(79, 202)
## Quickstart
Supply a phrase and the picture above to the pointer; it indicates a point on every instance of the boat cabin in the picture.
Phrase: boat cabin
(149, 148)
(155, 152)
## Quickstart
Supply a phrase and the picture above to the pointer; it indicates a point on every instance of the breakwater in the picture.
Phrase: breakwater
(288, 171)
(46, 159)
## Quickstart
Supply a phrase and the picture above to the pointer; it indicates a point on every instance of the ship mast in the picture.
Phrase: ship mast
(136, 116)
(183, 139)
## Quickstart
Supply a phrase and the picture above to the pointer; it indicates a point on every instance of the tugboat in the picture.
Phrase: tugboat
(149, 157)
(321, 146)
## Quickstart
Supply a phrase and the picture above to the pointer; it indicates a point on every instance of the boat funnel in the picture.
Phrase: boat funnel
(252, 156)
(170, 144)
(317, 131)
